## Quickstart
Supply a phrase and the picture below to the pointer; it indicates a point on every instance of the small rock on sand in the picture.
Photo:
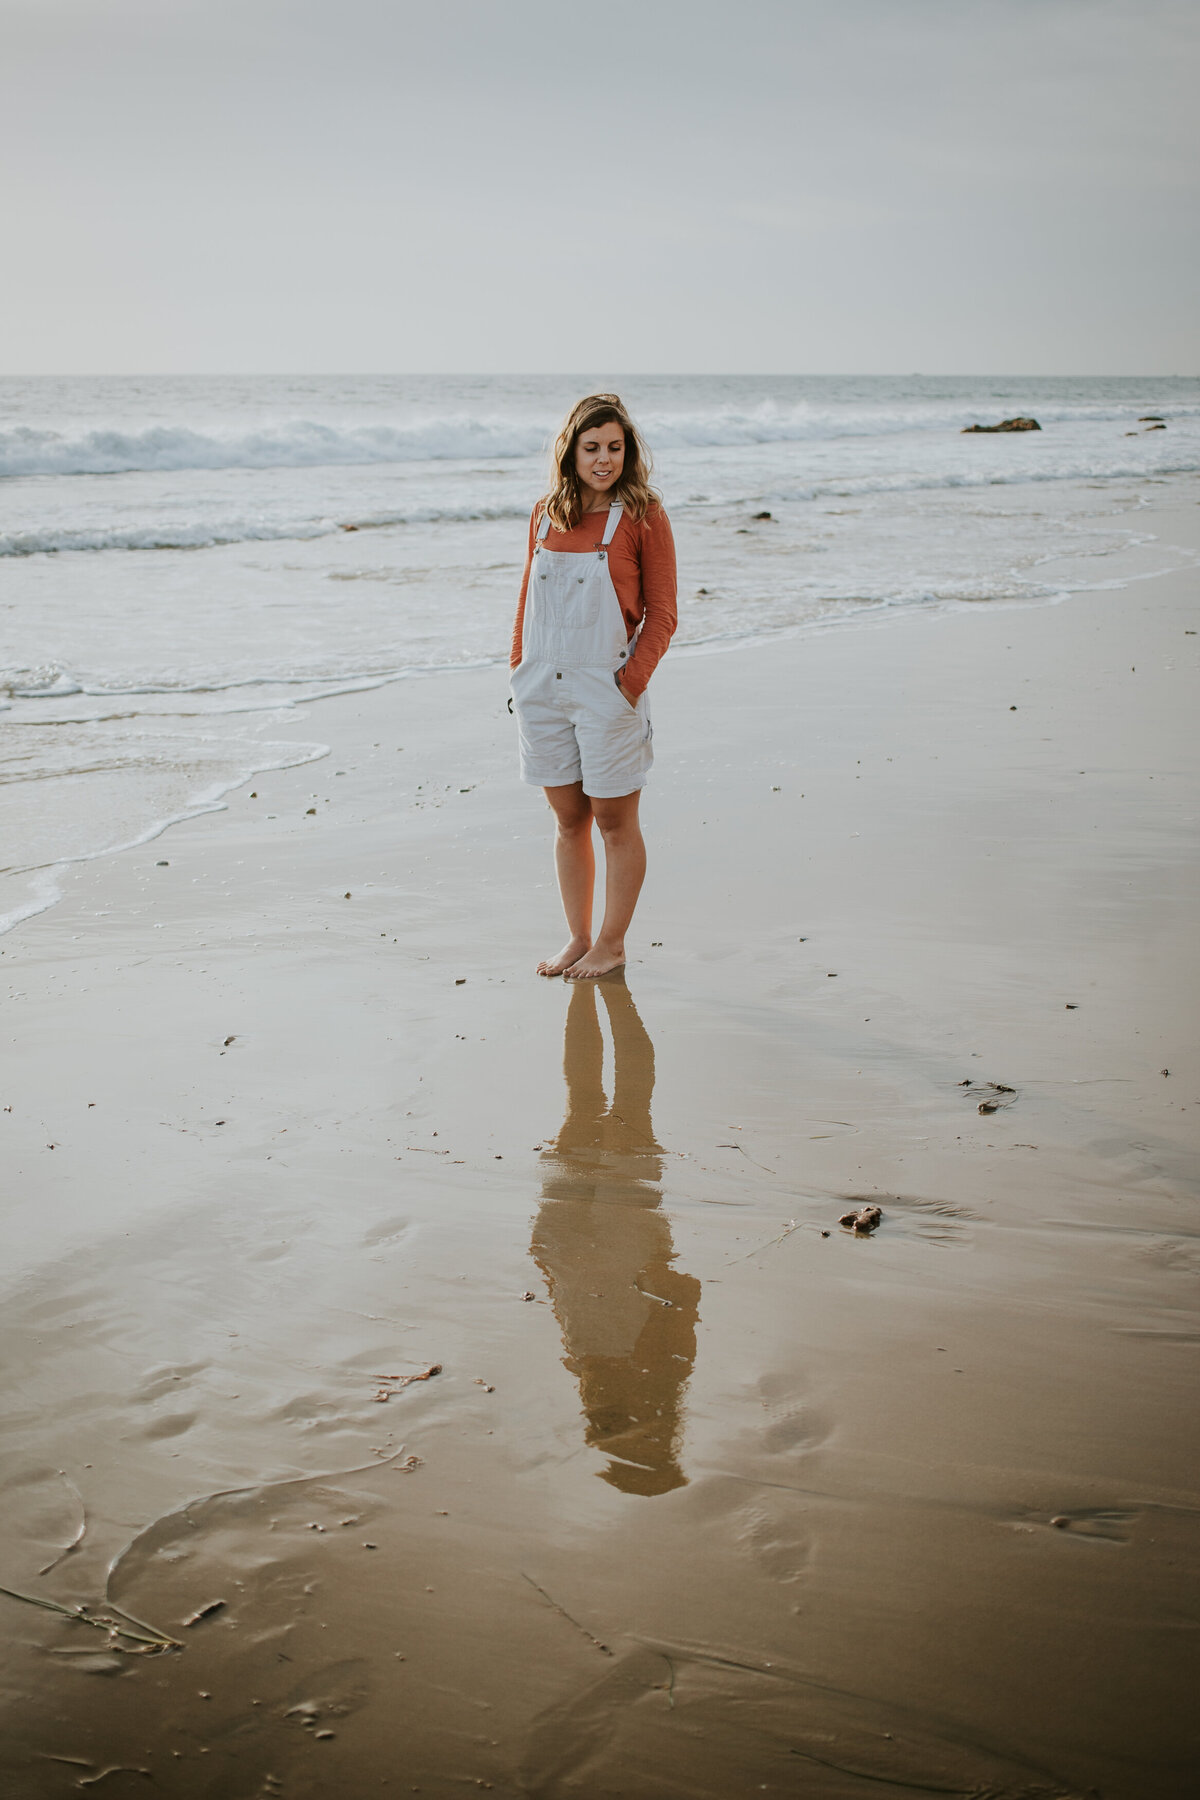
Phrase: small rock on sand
(863, 1220)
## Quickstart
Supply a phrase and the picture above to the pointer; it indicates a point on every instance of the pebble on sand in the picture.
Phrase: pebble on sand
(862, 1220)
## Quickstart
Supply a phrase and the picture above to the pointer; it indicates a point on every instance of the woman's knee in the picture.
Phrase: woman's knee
(618, 822)
(573, 819)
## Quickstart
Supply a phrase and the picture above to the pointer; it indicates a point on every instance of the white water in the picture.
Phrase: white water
(181, 559)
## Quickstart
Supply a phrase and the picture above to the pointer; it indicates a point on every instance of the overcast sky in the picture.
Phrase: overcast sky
(1007, 186)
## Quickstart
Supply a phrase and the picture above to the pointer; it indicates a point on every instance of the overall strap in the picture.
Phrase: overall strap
(543, 528)
(614, 519)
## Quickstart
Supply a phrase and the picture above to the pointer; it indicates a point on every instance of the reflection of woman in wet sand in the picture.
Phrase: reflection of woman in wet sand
(628, 1318)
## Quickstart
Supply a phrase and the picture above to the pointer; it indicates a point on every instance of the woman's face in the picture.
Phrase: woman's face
(599, 458)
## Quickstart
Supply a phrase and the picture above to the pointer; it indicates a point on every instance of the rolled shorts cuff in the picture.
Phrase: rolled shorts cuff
(632, 787)
(539, 777)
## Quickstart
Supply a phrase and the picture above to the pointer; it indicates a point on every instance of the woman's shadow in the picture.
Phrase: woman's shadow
(627, 1316)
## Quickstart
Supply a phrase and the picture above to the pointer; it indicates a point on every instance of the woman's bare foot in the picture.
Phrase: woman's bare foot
(598, 961)
(570, 954)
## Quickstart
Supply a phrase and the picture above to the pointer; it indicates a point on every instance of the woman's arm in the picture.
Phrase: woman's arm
(657, 548)
(514, 655)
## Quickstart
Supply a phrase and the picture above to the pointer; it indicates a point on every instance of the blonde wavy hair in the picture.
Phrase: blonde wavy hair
(564, 502)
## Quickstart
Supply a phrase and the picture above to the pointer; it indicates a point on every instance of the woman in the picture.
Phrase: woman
(596, 612)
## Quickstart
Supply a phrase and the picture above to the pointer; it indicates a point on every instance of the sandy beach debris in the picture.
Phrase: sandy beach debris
(205, 1612)
(1000, 1095)
(394, 1384)
(76, 1541)
(863, 1220)
(148, 1638)
(111, 1769)
(562, 1611)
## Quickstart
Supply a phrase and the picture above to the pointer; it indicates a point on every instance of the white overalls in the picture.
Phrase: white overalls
(575, 723)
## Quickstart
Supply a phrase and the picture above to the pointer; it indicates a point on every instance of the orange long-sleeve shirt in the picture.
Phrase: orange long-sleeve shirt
(641, 562)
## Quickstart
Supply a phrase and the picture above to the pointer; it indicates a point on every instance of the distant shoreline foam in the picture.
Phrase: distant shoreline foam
(211, 536)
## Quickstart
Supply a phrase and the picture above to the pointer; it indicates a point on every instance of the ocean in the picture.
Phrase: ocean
(188, 565)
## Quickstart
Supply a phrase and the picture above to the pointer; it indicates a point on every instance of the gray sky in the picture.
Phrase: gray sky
(1006, 186)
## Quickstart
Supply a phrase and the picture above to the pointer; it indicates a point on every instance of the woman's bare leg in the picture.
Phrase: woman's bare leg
(624, 872)
(575, 866)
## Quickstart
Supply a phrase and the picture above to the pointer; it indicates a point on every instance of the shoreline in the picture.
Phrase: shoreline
(307, 1109)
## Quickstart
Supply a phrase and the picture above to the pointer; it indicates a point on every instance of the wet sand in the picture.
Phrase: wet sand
(710, 1496)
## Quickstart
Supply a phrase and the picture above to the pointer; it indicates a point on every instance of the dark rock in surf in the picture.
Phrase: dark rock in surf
(1006, 425)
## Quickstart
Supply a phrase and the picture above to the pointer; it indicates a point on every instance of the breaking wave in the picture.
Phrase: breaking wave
(305, 443)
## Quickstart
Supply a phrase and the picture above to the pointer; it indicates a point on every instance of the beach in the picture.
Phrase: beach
(433, 1378)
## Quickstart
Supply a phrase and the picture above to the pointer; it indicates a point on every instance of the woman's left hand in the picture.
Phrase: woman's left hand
(631, 704)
